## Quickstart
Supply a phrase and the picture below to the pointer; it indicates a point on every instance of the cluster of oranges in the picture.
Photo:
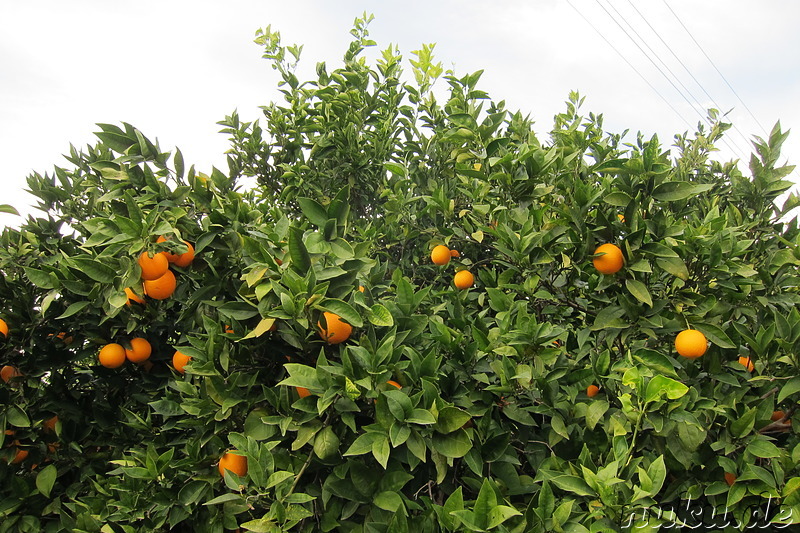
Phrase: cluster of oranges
(114, 355)
(441, 255)
(158, 280)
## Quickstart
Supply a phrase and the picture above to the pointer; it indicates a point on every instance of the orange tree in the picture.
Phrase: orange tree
(310, 367)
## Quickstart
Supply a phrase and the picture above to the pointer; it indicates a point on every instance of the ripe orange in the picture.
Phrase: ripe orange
(179, 360)
(140, 350)
(730, 479)
(50, 423)
(337, 330)
(303, 392)
(455, 253)
(777, 415)
(361, 288)
(228, 329)
(161, 288)
(394, 384)
(234, 463)
(62, 336)
(609, 263)
(111, 355)
(440, 255)
(747, 363)
(132, 296)
(153, 267)
(691, 343)
(592, 390)
(463, 279)
(621, 217)
(3, 328)
(8, 372)
(20, 456)
(182, 260)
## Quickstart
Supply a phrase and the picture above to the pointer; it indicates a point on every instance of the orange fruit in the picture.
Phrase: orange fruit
(463, 279)
(50, 423)
(228, 329)
(609, 263)
(140, 350)
(62, 336)
(19, 456)
(440, 255)
(621, 217)
(777, 415)
(274, 326)
(179, 360)
(455, 253)
(337, 329)
(747, 363)
(132, 296)
(182, 260)
(394, 384)
(161, 288)
(234, 463)
(303, 392)
(730, 479)
(592, 390)
(361, 288)
(153, 267)
(112, 355)
(691, 343)
(8, 372)
(3, 328)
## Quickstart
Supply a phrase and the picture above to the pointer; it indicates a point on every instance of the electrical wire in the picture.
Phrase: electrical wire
(736, 151)
(631, 65)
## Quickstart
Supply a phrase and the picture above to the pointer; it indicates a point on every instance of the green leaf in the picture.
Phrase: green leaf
(791, 387)
(452, 445)
(238, 310)
(362, 444)
(263, 327)
(450, 419)
(262, 525)
(326, 443)
(73, 309)
(672, 191)
(278, 477)
(743, 425)
(639, 291)
(595, 412)
(5, 208)
(230, 497)
(399, 404)
(618, 199)
(762, 448)
(40, 278)
(656, 361)
(17, 417)
(572, 484)
(380, 450)
(301, 376)
(301, 260)
(191, 492)
(398, 170)
(421, 416)
(46, 479)
(674, 266)
(378, 315)
(388, 501)
(715, 335)
(313, 211)
(95, 269)
(657, 472)
(343, 309)
(663, 386)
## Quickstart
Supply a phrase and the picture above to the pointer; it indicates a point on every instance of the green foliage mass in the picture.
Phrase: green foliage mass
(358, 173)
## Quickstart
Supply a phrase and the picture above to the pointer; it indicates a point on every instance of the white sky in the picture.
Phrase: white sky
(175, 68)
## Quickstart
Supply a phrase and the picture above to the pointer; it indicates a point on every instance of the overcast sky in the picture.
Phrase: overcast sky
(175, 68)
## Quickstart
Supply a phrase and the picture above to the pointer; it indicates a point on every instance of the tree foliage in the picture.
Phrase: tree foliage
(487, 425)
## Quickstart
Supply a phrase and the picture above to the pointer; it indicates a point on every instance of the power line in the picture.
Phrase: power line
(689, 72)
(724, 140)
(715, 67)
(630, 64)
